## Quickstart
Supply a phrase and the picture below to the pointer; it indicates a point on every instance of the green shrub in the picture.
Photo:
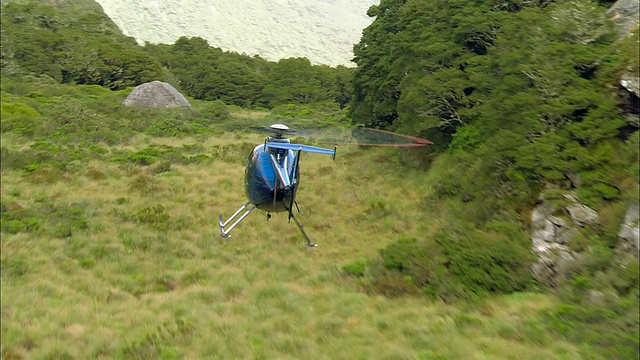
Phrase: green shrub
(392, 283)
(25, 125)
(172, 123)
(486, 261)
(465, 138)
(14, 218)
(398, 255)
(217, 109)
(68, 220)
(423, 267)
(14, 226)
(13, 109)
(60, 221)
(146, 156)
(356, 268)
(87, 263)
(153, 154)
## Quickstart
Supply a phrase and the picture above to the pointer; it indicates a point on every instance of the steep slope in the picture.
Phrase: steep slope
(323, 31)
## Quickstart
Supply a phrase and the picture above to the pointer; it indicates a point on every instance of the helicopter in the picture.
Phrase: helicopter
(272, 176)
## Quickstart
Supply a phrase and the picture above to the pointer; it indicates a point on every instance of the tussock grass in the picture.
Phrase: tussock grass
(149, 277)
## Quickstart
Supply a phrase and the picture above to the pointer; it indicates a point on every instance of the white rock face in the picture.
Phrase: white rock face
(324, 31)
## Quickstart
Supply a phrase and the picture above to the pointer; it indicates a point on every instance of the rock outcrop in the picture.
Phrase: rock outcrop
(630, 229)
(156, 94)
(552, 229)
(624, 13)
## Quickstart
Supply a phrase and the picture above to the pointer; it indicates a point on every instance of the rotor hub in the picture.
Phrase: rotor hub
(279, 130)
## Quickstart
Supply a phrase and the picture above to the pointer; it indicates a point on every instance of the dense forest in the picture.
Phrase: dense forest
(519, 97)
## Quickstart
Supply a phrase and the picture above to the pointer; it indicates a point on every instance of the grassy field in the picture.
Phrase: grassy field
(124, 261)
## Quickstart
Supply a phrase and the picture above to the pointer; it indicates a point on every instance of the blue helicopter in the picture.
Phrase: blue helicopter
(272, 176)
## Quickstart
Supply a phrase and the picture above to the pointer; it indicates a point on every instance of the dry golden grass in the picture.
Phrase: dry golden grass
(124, 288)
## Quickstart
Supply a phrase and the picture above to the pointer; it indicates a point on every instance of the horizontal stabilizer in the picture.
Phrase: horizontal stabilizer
(296, 147)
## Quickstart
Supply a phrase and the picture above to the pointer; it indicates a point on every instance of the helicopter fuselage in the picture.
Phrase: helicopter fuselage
(271, 177)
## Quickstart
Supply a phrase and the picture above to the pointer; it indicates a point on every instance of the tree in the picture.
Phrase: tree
(375, 83)
(295, 80)
(74, 45)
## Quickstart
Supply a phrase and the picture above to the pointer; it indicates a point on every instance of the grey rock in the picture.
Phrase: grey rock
(632, 119)
(558, 222)
(156, 94)
(582, 215)
(553, 265)
(624, 13)
(630, 227)
(631, 83)
(551, 235)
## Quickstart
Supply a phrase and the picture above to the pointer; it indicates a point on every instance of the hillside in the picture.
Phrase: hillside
(322, 31)
(111, 250)
(515, 235)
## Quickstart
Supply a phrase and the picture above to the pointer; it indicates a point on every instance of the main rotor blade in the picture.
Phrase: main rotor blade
(364, 137)
(328, 132)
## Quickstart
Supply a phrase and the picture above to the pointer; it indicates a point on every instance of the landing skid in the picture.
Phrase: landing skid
(301, 228)
(245, 210)
(225, 232)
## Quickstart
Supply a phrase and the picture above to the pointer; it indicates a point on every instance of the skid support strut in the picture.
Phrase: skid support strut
(301, 228)
(225, 232)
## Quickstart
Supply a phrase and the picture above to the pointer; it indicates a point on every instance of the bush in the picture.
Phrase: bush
(392, 283)
(486, 261)
(422, 267)
(68, 220)
(152, 154)
(173, 123)
(356, 268)
(59, 221)
(216, 109)
(15, 218)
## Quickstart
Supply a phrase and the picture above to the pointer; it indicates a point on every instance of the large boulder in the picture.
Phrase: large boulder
(156, 94)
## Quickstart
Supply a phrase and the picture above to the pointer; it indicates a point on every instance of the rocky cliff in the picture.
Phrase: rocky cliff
(324, 31)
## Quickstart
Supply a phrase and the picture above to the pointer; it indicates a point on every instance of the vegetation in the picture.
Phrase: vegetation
(92, 232)
(107, 208)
